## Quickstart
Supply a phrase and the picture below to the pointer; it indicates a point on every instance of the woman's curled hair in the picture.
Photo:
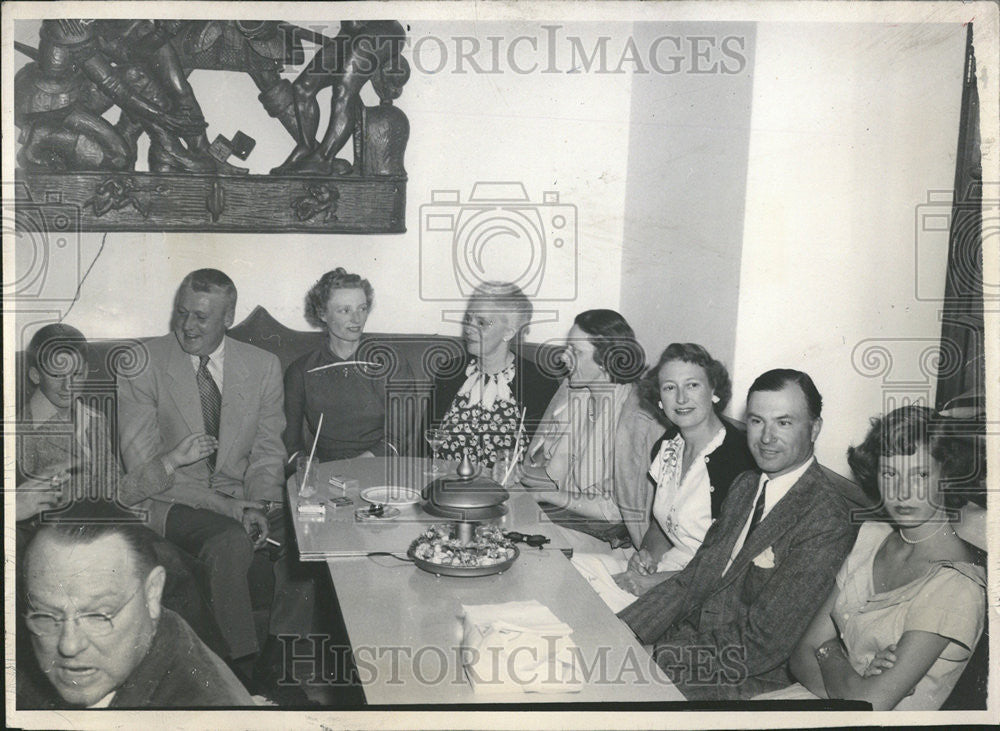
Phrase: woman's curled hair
(319, 295)
(715, 371)
(616, 349)
(952, 444)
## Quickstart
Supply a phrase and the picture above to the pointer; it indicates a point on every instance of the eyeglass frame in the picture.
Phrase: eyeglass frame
(478, 321)
(535, 540)
(29, 618)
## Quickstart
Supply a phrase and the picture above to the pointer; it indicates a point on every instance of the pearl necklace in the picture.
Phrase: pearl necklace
(921, 540)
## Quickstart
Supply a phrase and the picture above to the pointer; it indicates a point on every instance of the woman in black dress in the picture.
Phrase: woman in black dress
(345, 380)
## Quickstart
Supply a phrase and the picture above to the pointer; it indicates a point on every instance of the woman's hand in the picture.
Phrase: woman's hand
(883, 660)
(536, 456)
(642, 562)
(639, 584)
(192, 448)
(537, 478)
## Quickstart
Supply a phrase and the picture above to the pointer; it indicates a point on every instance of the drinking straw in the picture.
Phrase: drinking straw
(312, 453)
(517, 446)
(342, 363)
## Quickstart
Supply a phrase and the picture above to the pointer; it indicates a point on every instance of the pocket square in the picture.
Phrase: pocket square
(764, 559)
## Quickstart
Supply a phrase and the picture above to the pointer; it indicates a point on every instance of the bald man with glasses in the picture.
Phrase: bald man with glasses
(99, 632)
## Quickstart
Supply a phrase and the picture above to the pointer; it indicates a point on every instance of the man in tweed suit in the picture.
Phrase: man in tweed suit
(724, 627)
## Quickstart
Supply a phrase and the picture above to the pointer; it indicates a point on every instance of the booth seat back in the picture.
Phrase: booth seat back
(423, 353)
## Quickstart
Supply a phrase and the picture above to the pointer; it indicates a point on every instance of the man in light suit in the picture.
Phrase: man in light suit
(224, 507)
(724, 627)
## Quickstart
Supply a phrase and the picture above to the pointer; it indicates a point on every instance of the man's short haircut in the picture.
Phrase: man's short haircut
(209, 280)
(778, 378)
(87, 521)
(52, 347)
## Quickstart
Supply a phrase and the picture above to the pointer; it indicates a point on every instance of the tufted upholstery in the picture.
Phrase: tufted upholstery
(424, 353)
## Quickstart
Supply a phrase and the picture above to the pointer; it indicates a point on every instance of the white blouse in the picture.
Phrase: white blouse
(683, 508)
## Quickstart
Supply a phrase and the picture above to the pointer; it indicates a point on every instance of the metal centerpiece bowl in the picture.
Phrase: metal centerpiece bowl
(465, 499)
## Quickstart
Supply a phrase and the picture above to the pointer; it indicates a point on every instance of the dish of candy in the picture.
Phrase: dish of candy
(439, 551)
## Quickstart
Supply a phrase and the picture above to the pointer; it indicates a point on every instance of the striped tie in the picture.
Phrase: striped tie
(758, 509)
(211, 404)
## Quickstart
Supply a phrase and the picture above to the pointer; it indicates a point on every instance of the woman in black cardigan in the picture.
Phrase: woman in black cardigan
(693, 466)
(478, 398)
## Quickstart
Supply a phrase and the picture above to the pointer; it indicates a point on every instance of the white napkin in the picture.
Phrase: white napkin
(519, 647)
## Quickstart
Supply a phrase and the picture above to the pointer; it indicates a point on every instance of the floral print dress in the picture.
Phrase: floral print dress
(482, 421)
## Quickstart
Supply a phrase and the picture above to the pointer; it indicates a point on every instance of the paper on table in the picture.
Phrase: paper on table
(518, 647)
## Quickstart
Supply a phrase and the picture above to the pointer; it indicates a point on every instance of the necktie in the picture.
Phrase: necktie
(211, 404)
(758, 509)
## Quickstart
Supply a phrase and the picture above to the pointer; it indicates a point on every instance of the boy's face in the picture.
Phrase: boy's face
(57, 375)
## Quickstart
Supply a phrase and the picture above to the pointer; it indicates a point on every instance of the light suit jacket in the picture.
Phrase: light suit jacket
(159, 405)
(728, 637)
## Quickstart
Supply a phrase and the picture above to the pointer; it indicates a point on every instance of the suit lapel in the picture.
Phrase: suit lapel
(235, 376)
(782, 518)
(184, 388)
(745, 494)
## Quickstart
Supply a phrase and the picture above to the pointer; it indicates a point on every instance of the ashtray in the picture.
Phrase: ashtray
(376, 513)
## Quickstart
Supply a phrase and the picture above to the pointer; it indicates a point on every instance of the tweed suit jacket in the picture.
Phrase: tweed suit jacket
(160, 405)
(728, 637)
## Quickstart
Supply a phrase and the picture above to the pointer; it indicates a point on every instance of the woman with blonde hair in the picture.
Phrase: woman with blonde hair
(342, 380)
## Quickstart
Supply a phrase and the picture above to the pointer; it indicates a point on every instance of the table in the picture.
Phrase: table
(404, 624)
(339, 534)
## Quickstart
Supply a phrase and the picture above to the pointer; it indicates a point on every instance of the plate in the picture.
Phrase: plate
(390, 495)
(441, 570)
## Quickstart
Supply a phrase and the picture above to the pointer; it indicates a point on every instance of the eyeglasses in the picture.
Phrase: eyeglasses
(94, 624)
(535, 540)
(481, 323)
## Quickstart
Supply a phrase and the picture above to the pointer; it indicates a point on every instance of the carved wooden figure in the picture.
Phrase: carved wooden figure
(71, 155)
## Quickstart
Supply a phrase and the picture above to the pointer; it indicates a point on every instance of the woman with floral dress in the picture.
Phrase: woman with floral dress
(478, 399)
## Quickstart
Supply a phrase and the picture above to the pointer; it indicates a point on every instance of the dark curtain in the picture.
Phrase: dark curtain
(961, 379)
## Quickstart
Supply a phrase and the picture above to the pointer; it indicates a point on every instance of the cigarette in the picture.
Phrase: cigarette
(273, 542)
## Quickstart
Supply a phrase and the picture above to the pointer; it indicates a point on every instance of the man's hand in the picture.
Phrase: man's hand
(182, 122)
(255, 524)
(883, 660)
(36, 495)
(42, 492)
(192, 448)
(233, 507)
